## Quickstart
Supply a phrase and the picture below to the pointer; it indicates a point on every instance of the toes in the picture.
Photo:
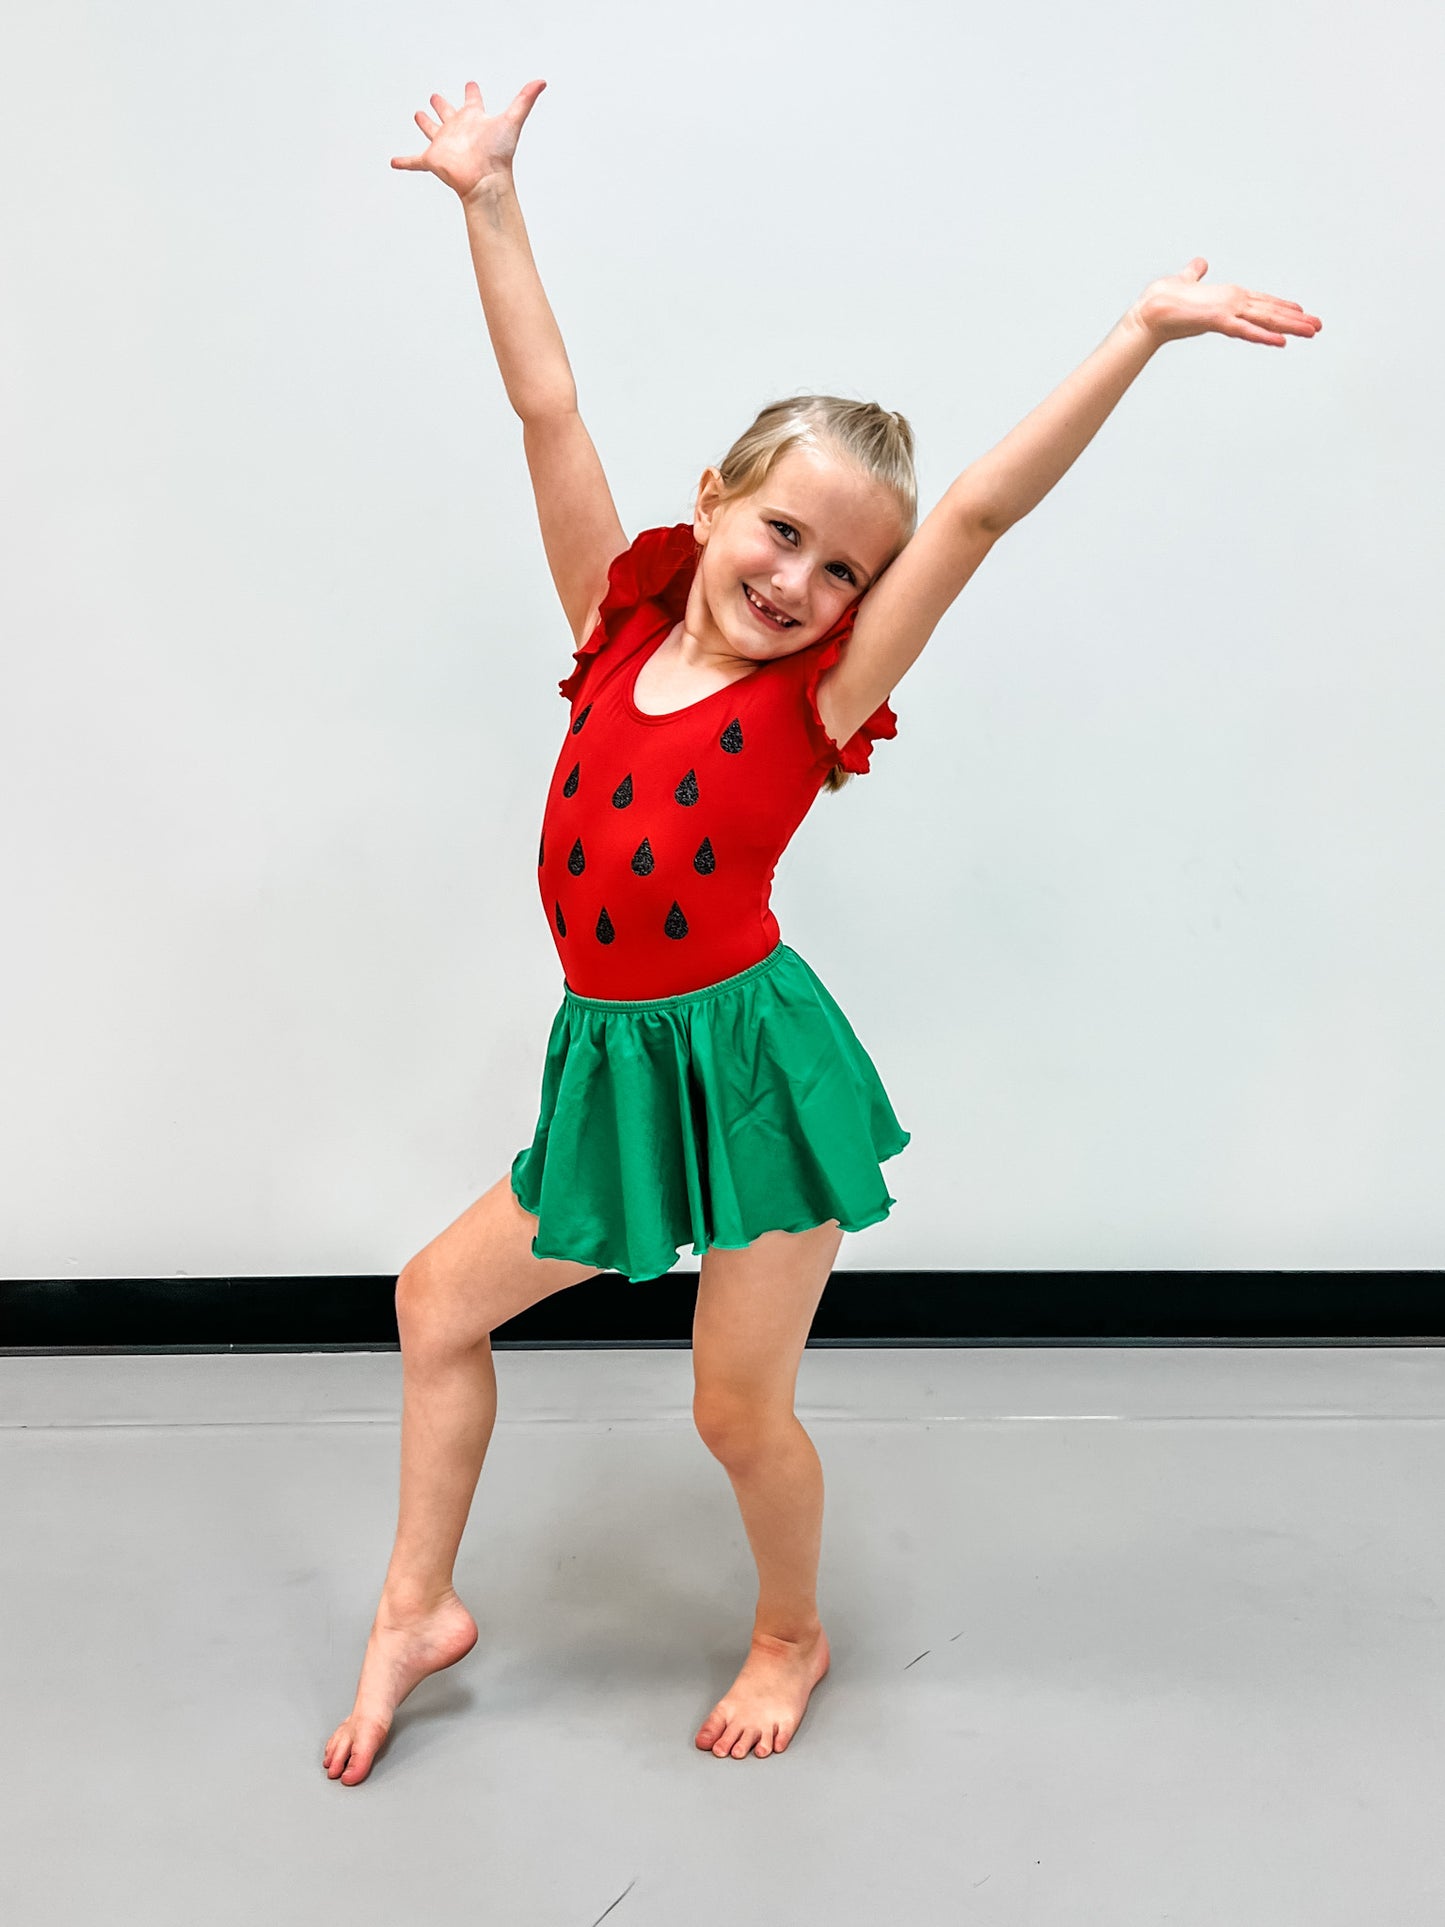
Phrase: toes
(711, 1728)
(351, 1751)
(723, 1737)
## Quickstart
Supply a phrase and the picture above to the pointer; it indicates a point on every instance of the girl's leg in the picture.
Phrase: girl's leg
(474, 1276)
(755, 1309)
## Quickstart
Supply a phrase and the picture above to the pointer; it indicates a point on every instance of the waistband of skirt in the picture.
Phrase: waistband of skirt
(764, 964)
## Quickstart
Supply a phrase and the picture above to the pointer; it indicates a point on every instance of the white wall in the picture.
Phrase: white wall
(1141, 913)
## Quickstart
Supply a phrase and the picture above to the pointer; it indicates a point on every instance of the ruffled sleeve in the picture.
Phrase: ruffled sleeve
(656, 568)
(854, 754)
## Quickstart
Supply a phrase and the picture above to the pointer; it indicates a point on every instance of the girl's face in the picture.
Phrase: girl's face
(816, 537)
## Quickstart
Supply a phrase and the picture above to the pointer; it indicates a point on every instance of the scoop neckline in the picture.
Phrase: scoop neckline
(668, 715)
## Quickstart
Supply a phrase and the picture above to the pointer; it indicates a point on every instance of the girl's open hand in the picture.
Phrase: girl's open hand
(1182, 304)
(467, 143)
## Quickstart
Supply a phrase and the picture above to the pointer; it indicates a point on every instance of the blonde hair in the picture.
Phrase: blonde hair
(875, 440)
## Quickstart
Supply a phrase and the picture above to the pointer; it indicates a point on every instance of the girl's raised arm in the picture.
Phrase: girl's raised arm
(472, 152)
(900, 611)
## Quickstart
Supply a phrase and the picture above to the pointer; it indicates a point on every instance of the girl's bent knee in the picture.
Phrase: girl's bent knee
(735, 1428)
(411, 1300)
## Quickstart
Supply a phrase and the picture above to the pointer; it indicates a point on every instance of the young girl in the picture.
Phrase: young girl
(700, 1085)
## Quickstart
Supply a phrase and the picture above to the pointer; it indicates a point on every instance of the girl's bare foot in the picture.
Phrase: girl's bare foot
(768, 1697)
(403, 1648)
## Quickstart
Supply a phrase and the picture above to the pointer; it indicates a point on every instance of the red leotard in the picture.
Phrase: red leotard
(661, 833)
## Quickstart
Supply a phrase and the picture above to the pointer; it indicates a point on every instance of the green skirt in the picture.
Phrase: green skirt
(705, 1119)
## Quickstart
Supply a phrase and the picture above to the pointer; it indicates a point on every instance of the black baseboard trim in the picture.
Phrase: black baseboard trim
(47, 1315)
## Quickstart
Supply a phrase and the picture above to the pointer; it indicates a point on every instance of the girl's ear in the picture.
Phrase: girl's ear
(705, 510)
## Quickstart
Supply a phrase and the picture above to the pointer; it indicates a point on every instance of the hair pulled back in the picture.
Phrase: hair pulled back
(877, 441)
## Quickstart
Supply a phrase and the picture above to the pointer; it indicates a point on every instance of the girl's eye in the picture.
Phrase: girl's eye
(832, 565)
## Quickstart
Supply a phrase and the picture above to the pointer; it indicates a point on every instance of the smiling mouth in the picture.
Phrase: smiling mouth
(767, 612)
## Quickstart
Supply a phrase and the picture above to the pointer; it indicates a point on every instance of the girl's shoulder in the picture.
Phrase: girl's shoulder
(650, 579)
(812, 665)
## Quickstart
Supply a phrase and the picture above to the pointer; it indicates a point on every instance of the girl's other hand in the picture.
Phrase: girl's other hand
(467, 144)
(1180, 305)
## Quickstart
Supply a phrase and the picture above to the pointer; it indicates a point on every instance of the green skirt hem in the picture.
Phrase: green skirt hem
(699, 1250)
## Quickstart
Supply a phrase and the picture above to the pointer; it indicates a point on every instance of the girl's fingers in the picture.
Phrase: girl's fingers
(524, 102)
(428, 126)
(474, 96)
(1292, 318)
(1280, 316)
(443, 106)
(1261, 317)
(1285, 313)
(1246, 331)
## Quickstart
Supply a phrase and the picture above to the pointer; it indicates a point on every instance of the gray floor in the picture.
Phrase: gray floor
(1120, 1636)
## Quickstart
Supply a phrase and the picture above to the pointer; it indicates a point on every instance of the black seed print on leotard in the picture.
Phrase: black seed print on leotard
(605, 932)
(676, 924)
(561, 922)
(643, 861)
(576, 862)
(569, 788)
(732, 737)
(686, 791)
(582, 719)
(704, 862)
(541, 849)
(622, 795)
